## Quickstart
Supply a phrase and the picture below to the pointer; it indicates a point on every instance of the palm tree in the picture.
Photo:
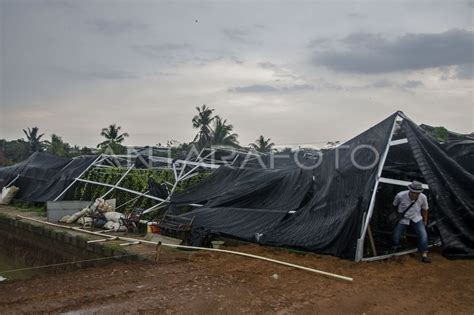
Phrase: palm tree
(33, 139)
(112, 135)
(202, 121)
(222, 134)
(262, 145)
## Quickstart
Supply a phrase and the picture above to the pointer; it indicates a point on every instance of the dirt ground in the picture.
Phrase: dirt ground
(205, 282)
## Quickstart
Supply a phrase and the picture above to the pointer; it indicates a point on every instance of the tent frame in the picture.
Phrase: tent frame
(359, 256)
(175, 165)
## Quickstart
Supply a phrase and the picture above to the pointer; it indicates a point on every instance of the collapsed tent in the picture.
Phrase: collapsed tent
(323, 205)
(328, 208)
(42, 177)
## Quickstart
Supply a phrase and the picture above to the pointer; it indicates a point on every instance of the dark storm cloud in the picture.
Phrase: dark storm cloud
(263, 88)
(374, 53)
(115, 26)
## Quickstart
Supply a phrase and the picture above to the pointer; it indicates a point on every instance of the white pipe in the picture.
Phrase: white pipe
(262, 258)
(128, 239)
(99, 240)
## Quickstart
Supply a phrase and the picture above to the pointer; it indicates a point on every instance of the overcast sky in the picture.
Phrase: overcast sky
(297, 72)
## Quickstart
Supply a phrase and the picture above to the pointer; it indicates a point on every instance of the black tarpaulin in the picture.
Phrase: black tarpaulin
(331, 222)
(452, 187)
(243, 223)
(157, 190)
(239, 202)
(278, 189)
(42, 177)
(243, 202)
(462, 152)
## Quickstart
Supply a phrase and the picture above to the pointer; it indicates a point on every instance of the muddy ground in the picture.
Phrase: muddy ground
(204, 282)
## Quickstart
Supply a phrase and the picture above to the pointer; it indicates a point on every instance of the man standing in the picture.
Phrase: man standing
(412, 206)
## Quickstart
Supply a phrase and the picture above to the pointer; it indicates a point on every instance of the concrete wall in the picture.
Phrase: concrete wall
(58, 209)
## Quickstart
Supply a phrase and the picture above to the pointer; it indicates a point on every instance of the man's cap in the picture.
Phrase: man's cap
(415, 187)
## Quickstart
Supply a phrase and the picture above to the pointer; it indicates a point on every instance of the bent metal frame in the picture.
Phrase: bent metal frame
(179, 168)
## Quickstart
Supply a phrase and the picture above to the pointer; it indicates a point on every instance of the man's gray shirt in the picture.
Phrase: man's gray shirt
(402, 201)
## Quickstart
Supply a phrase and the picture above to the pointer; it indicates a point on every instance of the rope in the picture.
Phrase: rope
(71, 262)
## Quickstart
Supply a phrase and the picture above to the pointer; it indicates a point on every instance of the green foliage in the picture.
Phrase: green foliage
(202, 121)
(57, 146)
(218, 134)
(113, 136)
(34, 139)
(85, 151)
(222, 133)
(13, 151)
(440, 134)
(137, 179)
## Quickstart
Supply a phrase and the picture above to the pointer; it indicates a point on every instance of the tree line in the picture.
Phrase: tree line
(211, 129)
(214, 130)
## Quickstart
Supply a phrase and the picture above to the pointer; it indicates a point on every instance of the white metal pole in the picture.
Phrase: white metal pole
(129, 201)
(12, 181)
(155, 207)
(360, 241)
(118, 182)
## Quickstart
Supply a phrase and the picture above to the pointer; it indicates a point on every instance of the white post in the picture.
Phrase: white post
(360, 241)
(75, 179)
